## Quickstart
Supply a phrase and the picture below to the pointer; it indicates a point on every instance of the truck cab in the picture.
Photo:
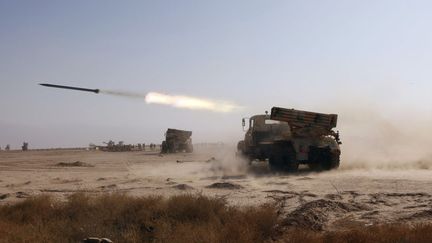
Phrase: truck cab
(263, 130)
(261, 133)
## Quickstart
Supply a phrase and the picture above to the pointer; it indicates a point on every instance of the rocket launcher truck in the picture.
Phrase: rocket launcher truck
(289, 137)
(177, 141)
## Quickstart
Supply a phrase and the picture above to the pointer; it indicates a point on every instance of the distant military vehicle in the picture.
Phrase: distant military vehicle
(111, 146)
(24, 147)
(177, 141)
(289, 137)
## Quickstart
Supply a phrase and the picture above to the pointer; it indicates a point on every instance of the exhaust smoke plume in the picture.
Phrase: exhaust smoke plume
(122, 93)
(178, 101)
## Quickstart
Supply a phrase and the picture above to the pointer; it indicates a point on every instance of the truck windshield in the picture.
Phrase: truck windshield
(270, 122)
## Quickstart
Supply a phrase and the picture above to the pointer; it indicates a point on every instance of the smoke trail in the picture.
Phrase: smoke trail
(123, 93)
(178, 101)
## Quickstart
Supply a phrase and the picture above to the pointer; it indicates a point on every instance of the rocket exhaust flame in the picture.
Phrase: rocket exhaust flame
(187, 102)
(177, 101)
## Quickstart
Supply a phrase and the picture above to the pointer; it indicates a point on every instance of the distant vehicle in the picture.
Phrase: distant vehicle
(111, 146)
(177, 141)
(24, 147)
(289, 137)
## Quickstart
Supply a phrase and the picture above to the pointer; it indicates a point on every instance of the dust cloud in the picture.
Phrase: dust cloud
(226, 162)
(208, 161)
(178, 101)
(373, 139)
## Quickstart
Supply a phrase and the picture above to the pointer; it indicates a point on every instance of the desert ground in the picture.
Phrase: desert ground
(320, 201)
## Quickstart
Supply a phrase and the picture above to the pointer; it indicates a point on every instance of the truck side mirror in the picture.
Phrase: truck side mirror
(243, 122)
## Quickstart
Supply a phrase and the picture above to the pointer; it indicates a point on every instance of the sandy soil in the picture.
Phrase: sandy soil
(322, 201)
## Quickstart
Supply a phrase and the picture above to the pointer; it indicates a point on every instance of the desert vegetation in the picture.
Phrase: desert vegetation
(182, 218)
(121, 218)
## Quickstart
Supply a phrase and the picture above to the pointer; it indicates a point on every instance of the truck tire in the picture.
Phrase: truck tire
(164, 148)
(283, 158)
(275, 163)
(240, 147)
(332, 161)
(326, 160)
(241, 153)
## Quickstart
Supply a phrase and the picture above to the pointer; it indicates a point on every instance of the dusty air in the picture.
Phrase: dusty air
(215, 121)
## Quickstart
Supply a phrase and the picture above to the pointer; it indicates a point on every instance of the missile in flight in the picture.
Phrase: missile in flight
(177, 101)
(96, 91)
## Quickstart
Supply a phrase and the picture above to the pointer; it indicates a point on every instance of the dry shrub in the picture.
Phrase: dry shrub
(183, 218)
(122, 218)
(31, 210)
(378, 234)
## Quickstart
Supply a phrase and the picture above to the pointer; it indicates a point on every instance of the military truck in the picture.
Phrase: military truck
(177, 141)
(24, 147)
(288, 137)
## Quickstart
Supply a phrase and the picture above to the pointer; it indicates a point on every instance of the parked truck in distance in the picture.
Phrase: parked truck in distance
(177, 141)
(289, 137)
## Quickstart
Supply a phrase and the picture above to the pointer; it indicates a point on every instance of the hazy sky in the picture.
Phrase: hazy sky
(330, 56)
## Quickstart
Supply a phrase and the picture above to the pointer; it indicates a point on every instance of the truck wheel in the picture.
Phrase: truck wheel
(292, 166)
(241, 153)
(332, 161)
(240, 146)
(315, 166)
(164, 148)
(241, 150)
(275, 164)
(283, 158)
